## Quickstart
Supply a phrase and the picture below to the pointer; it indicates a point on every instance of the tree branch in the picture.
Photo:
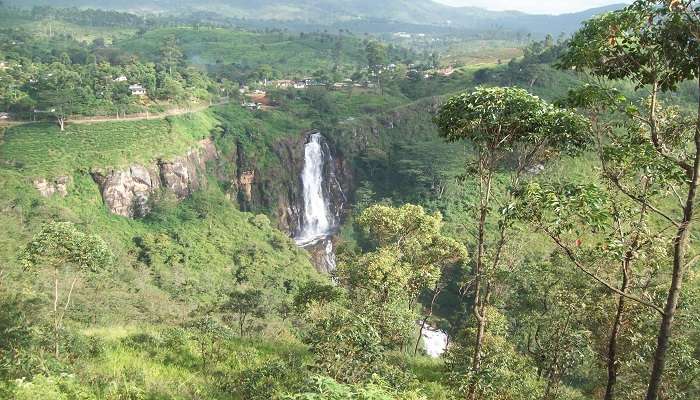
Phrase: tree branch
(580, 266)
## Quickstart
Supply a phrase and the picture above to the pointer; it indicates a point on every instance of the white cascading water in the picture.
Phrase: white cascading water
(318, 222)
(434, 341)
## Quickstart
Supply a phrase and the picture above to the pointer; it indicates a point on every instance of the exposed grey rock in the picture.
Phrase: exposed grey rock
(127, 192)
(57, 186)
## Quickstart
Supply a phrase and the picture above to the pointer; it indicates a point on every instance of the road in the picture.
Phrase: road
(129, 117)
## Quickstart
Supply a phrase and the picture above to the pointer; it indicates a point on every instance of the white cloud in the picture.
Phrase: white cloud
(534, 6)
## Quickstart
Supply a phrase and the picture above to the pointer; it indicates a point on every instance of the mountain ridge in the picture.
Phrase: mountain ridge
(424, 12)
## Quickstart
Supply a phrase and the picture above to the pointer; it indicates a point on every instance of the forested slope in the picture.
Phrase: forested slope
(152, 259)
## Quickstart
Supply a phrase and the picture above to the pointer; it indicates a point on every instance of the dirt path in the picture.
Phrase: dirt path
(129, 117)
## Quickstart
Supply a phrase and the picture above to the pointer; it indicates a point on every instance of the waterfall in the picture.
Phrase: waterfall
(434, 341)
(318, 222)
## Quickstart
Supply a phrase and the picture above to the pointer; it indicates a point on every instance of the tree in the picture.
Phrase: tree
(171, 56)
(59, 92)
(59, 246)
(245, 304)
(376, 60)
(407, 252)
(315, 293)
(500, 123)
(416, 239)
(654, 44)
(209, 333)
(265, 72)
(345, 344)
(596, 231)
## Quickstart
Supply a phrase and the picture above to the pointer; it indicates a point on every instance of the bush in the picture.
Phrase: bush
(64, 387)
(325, 388)
(142, 341)
(268, 381)
(505, 374)
(173, 339)
(345, 345)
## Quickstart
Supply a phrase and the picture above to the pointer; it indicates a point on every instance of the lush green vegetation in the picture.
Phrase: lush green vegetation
(40, 150)
(553, 238)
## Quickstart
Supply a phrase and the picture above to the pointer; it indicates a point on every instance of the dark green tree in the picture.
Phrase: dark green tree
(656, 45)
(501, 124)
(61, 247)
(245, 304)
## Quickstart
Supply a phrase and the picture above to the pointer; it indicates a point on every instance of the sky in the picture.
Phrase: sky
(533, 6)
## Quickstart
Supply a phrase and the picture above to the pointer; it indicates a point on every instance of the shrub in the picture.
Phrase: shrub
(267, 381)
(345, 345)
(173, 338)
(64, 387)
(142, 341)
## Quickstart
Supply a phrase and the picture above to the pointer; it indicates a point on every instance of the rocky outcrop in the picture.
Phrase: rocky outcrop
(57, 186)
(127, 192)
(245, 183)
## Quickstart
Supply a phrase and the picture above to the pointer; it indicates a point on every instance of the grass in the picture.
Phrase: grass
(42, 150)
(473, 52)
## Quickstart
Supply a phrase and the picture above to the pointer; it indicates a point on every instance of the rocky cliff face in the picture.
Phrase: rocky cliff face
(278, 190)
(126, 192)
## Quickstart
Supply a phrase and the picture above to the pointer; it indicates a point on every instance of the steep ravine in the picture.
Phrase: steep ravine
(280, 191)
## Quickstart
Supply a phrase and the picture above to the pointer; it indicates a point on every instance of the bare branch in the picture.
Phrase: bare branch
(572, 257)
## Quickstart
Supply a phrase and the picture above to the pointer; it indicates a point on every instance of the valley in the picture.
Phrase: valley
(347, 200)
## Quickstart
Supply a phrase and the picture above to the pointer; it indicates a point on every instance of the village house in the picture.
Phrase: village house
(446, 71)
(137, 90)
(283, 83)
(258, 93)
(299, 85)
(121, 78)
(4, 65)
(251, 106)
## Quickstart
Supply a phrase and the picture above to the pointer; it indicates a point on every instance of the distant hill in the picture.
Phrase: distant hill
(417, 12)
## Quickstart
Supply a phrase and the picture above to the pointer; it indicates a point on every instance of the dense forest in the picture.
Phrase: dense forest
(193, 209)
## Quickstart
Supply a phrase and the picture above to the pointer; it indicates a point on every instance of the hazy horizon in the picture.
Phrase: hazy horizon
(553, 7)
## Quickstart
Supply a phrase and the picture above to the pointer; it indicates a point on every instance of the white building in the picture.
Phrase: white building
(137, 90)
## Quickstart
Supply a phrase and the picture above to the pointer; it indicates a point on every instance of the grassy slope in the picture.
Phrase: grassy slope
(41, 150)
(124, 319)
(190, 248)
(54, 27)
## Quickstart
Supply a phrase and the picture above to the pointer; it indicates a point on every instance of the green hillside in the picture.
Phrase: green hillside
(423, 13)
(289, 54)
(502, 219)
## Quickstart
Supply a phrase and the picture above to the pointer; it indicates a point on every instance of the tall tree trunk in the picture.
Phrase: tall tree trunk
(679, 251)
(612, 363)
(479, 299)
